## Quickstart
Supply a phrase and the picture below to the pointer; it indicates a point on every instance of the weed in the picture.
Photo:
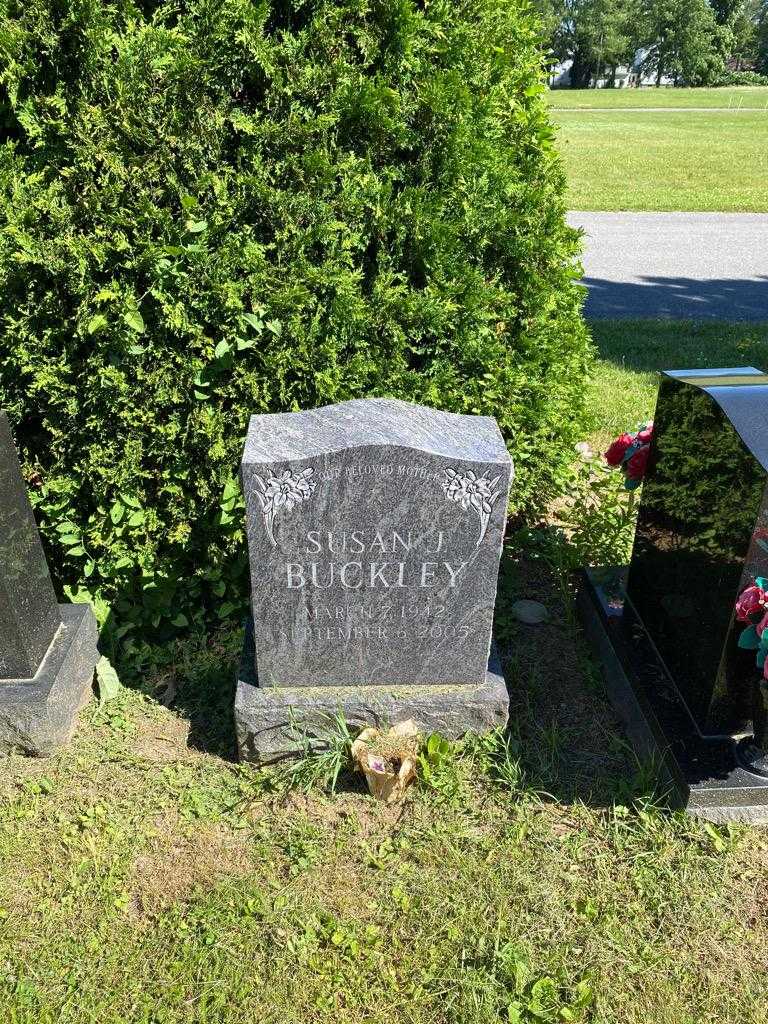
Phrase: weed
(438, 766)
(325, 755)
(497, 755)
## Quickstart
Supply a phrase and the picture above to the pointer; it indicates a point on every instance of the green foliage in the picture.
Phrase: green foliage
(705, 477)
(212, 209)
(730, 78)
(597, 515)
(544, 999)
(691, 40)
(761, 38)
(593, 524)
(324, 755)
(109, 681)
(683, 40)
(442, 768)
(596, 35)
(497, 755)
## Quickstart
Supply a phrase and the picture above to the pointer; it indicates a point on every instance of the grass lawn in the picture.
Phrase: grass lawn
(636, 160)
(623, 390)
(755, 97)
(146, 878)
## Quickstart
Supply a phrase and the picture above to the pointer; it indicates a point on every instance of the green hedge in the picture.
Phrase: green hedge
(211, 209)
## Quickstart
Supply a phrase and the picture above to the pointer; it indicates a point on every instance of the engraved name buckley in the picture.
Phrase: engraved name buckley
(340, 567)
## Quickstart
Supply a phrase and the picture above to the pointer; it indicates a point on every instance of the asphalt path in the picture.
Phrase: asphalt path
(685, 266)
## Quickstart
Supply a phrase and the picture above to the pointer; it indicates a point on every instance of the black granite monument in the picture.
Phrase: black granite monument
(680, 632)
(47, 651)
(375, 530)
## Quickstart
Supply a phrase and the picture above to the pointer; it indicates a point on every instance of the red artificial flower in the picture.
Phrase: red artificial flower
(761, 626)
(636, 466)
(749, 602)
(618, 449)
(645, 435)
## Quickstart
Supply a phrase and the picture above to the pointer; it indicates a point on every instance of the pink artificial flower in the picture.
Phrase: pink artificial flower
(750, 601)
(618, 449)
(761, 625)
(645, 435)
(636, 466)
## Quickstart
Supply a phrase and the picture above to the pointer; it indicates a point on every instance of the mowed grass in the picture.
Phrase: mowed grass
(665, 160)
(146, 879)
(631, 352)
(744, 97)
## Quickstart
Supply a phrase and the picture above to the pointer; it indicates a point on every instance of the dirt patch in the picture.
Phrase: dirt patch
(749, 885)
(164, 738)
(369, 816)
(178, 861)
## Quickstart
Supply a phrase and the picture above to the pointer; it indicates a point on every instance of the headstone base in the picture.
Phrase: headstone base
(703, 774)
(270, 722)
(37, 716)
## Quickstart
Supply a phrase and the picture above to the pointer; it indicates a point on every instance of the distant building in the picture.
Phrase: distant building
(624, 77)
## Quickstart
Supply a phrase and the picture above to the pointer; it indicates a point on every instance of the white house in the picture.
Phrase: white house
(626, 77)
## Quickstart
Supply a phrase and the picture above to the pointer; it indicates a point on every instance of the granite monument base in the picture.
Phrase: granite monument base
(37, 716)
(702, 773)
(272, 722)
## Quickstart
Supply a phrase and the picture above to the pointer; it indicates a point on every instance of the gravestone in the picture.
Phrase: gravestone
(682, 628)
(47, 650)
(374, 531)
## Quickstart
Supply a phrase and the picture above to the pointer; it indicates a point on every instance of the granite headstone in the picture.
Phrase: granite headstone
(29, 614)
(374, 530)
(47, 651)
(691, 658)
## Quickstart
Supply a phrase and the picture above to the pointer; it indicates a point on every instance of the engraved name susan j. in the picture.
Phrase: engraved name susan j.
(362, 559)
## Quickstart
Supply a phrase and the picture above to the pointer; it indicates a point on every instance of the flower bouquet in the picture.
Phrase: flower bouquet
(752, 609)
(630, 452)
(388, 759)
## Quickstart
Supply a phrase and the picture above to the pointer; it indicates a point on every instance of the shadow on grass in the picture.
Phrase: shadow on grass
(207, 696)
(648, 345)
(572, 745)
(195, 677)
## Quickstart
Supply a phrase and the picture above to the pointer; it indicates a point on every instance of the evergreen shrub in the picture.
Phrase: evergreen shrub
(222, 207)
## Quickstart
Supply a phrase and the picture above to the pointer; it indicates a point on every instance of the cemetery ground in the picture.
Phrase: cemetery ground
(147, 877)
(662, 158)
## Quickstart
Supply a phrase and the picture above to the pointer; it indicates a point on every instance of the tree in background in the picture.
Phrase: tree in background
(595, 34)
(693, 41)
(738, 22)
(682, 40)
(725, 11)
(761, 39)
(743, 24)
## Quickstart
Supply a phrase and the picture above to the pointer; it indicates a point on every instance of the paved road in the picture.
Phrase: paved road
(697, 266)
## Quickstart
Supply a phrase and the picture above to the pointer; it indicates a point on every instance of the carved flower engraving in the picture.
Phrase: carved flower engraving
(472, 491)
(282, 492)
